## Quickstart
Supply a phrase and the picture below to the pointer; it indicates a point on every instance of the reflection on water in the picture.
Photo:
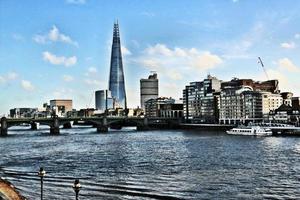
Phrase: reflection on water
(151, 165)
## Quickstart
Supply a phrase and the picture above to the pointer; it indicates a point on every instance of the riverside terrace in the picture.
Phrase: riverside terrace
(101, 123)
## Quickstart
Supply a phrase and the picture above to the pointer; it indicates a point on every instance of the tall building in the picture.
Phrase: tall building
(200, 100)
(116, 75)
(148, 89)
(100, 100)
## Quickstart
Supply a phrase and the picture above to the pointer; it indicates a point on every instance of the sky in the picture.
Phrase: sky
(61, 48)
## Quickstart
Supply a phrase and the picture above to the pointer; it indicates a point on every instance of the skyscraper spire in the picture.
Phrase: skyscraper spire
(116, 76)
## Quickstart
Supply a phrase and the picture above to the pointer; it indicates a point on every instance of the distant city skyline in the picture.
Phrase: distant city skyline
(61, 48)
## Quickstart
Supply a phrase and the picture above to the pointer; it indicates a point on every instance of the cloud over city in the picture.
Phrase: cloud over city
(54, 35)
(27, 85)
(176, 62)
(59, 60)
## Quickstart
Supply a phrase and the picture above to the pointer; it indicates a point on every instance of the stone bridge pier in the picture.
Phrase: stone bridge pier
(34, 126)
(144, 126)
(103, 126)
(54, 127)
(67, 125)
(4, 127)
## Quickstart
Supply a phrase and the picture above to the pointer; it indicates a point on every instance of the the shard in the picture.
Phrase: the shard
(116, 75)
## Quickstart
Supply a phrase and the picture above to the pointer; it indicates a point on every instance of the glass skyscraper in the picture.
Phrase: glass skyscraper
(116, 75)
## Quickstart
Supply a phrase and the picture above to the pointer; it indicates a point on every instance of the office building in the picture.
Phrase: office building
(270, 102)
(163, 107)
(240, 105)
(22, 112)
(116, 75)
(100, 100)
(61, 106)
(148, 89)
(201, 100)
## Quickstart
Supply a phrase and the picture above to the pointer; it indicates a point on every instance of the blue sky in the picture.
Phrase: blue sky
(61, 48)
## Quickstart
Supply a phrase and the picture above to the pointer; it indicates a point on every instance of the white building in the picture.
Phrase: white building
(270, 102)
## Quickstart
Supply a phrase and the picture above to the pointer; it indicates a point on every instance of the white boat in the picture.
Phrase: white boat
(251, 130)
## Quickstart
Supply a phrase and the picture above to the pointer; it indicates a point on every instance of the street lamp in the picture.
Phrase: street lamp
(76, 188)
(41, 174)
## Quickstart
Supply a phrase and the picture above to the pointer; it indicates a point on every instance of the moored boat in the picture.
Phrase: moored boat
(251, 130)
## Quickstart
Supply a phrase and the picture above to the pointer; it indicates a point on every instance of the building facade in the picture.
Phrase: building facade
(240, 106)
(245, 100)
(163, 107)
(103, 100)
(201, 100)
(116, 75)
(22, 112)
(148, 89)
(61, 106)
(270, 102)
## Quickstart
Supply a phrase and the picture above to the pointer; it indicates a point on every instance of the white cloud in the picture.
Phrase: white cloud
(288, 45)
(159, 49)
(92, 82)
(59, 60)
(76, 1)
(27, 85)
(174, 75)
(297, 36)
(12, 76)
(125, 51)
(287, 64)
(207, 61)
(62, 93)
(91, 72)
(54, 35)
(178, 62)
(68, 78)
(8, 77)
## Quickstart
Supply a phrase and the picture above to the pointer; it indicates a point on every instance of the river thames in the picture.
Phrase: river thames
(128, 164)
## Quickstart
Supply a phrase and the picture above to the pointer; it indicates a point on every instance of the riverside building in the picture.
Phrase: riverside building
(270, 102)
(148, 89)
(103, 100)
(201, 100)
(244, 100)
(163, 107)
(61, 106)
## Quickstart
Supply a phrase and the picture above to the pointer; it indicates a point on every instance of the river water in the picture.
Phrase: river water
(127, 164)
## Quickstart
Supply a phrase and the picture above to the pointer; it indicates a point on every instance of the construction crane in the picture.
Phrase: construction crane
(276, 83)
(262, 64)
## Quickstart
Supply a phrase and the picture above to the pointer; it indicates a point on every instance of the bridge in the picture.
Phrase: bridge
(100, 123)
